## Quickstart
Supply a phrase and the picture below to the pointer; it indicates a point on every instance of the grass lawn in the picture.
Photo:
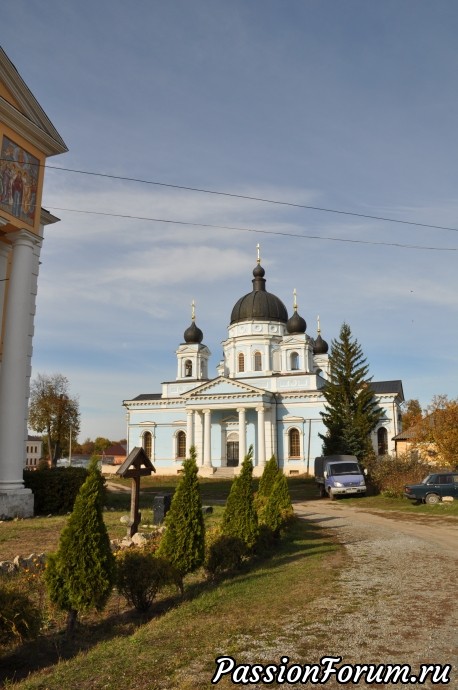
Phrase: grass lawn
(177, 646)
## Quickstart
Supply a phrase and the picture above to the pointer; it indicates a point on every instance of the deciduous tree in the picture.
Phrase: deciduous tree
(54, 412)
(440, 429)
(351, 412)
(412, 414)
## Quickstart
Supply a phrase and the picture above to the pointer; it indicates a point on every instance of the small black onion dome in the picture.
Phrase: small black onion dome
(193, 334)
(320, 347)
(296, 324)
(259, 304)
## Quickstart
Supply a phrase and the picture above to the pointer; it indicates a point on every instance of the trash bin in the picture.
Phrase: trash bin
(161, 505)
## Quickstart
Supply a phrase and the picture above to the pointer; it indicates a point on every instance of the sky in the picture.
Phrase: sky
(347, 106)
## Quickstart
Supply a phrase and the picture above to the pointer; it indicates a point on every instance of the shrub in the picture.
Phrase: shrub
(222, 552)
(270, 473)
(389, 474)
(240, 519)
(80, 575)
(278, 509)
(183, 542)
(55, 490)
(20, 619)
(140, 575)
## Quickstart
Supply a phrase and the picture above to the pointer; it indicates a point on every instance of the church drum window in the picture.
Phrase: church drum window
(294, 361)
(382, 441)
(257, 361)
(188, 368)
(241, 361)
(147, 443)
(181, 445)
(294, 443)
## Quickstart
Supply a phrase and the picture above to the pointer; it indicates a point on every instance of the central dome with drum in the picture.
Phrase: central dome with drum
(259, 304)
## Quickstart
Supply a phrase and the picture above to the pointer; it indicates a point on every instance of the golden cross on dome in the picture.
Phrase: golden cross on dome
(193, 310)
(258, 248)
(318, 324)
(295, 300)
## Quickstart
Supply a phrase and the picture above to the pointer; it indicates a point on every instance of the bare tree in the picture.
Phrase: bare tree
(52, 411)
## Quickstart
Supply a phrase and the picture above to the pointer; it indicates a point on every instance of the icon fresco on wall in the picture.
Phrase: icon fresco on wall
(18, 181)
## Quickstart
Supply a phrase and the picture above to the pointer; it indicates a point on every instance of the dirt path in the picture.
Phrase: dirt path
(397, 600)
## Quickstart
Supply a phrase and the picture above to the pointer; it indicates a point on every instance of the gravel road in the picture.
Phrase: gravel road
(397, 599)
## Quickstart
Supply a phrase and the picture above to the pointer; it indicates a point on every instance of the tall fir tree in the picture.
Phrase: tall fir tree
(81, 574)
(183, 542)
(351, 412)
(240, 518)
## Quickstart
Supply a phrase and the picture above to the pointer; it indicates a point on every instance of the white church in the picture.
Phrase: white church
(267, 393)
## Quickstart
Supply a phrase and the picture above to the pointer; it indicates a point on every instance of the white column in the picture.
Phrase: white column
(189, 430)
(15, 363)
(4, 253)
(261, 437)
(207, 438)
(242, 433)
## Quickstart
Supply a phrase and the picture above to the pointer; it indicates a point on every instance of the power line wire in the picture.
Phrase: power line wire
(264, 232)
(264, 200)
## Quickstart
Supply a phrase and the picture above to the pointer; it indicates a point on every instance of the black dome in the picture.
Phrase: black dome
(320, 347)
(193, 334)
(296, 324)
(259, 304)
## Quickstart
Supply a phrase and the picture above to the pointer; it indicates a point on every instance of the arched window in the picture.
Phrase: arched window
(147, 443)
(241, 361)
(188, 368)
(294, 443)
(257, 361)
(382, 441)
(181, 444)
(294, 361)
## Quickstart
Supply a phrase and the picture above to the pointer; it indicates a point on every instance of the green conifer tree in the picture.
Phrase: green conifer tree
(269, 475)
(240, 518)
(183, 542)
(80, 575)
(278, 509)
(351, 412)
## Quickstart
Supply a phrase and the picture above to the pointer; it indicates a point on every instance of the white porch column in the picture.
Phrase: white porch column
(261, 437)
(15, 374)
(207, 438)
(242, 433)
(189, 430)
(4, 253)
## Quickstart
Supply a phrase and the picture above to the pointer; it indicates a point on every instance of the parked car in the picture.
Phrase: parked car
(433, 488)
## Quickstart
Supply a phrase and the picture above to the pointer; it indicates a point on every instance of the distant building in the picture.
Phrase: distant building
(27, 139)
(114, 454)
(268, 393)
(33, 452)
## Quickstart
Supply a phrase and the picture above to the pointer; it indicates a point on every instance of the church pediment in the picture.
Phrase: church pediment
(223, 386)
(20, 109)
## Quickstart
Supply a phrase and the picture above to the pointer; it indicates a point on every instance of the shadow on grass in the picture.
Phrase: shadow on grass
(301, 541)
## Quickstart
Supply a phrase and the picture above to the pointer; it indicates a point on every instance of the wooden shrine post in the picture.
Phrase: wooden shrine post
(136, 465)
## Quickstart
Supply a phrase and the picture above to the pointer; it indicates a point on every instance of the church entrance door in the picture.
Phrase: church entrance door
(232, 453)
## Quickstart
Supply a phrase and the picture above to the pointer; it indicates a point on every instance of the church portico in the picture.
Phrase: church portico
(267, 394)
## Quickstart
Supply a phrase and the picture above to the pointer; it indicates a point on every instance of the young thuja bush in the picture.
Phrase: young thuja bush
(270, 473)
(278, 509)
(80, 575)
(183, 542)
(389, 474)
(140, 575)
(223, 552)
(20, 617)
(240, 518)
